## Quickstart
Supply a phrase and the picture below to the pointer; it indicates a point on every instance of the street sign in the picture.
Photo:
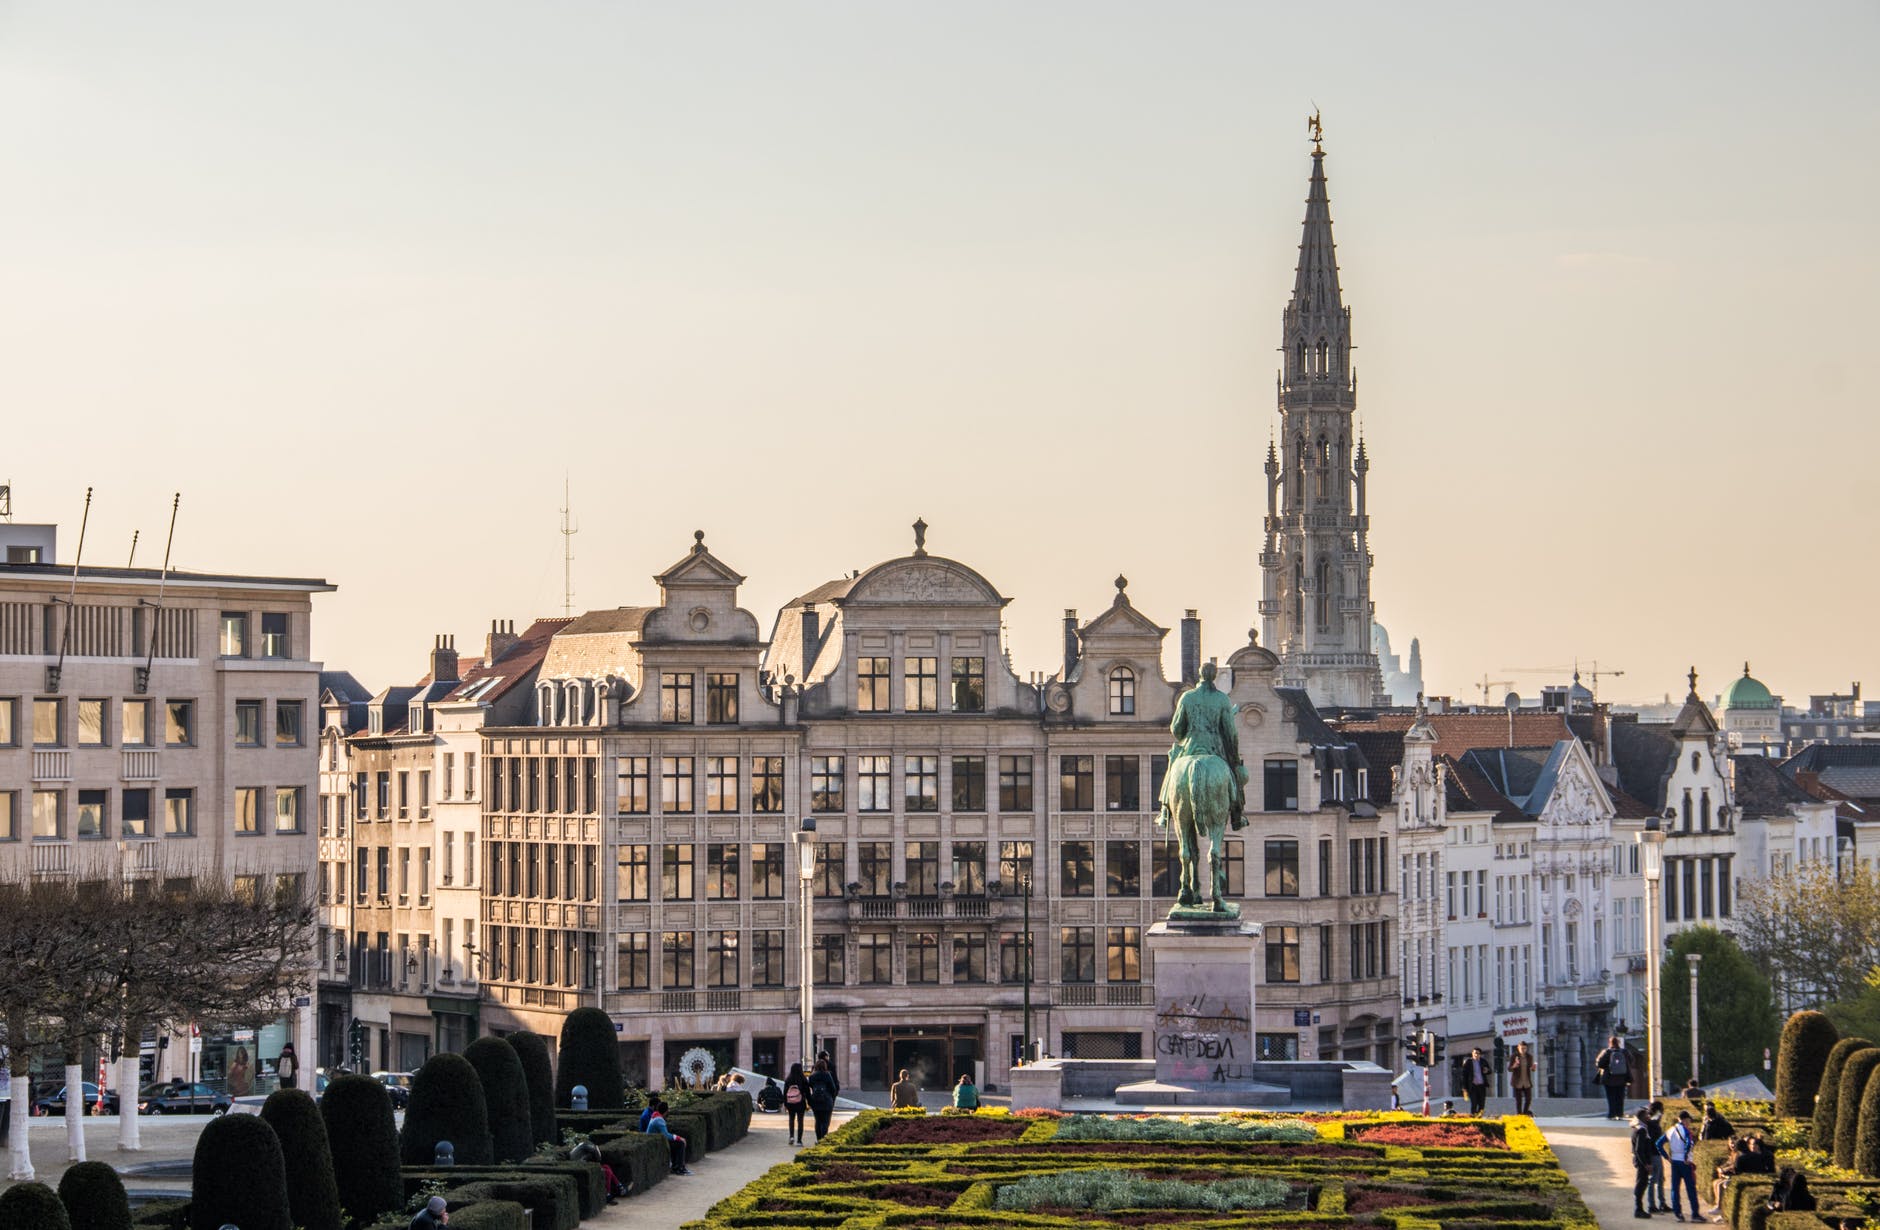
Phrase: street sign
(1302, 1017)
(195, 1045)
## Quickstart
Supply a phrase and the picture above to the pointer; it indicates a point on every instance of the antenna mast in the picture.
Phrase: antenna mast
(142, 680)
(53, 673)
(568, 530)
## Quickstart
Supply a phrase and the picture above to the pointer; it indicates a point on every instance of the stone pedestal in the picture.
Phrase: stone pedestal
(1204, 1042)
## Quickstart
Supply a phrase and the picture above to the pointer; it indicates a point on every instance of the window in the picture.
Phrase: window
(1234, 859)
(469, 775)
(179, 812)
(830, 866)
(921, 685)
(721, 959)
(247, 810)
(1122, 954)
(1122, 869)
(49, 722)
(1077, 954)
(1077, 789)
(766, 783)
(1325, 868)
(969, 868)
(969, 958)
(632, 961)
(93, 823)
(179, 723)
(675, 960)
(136, 722)
(766, 870)
(48, 823)
(1164, 868)
(404, 793)
(92, 733)
(921, 776)
(1325, 952)
(1015, 783)
(721, 872)
(632, 873)
(827, 961)
(675, 698)
(1282, 868)
(1282, 785)
(9, 815)
(871, 685)
(675, 872)
(923, 957)
(1015, 953)
(234, 643)
(634, 785)
(874, 783)
(826, 779)
(1076, 869)
(675, 784)
(923, 868)
(1015, 865)
(875, 952)
(874, 864)
(969, 685)
(134, 817)
(721, 784)
(1282, 954)
(1122, 692)
(274, 635)
(721, 699)
(247, 723)
(287, 809)
(969, 783)
(9, 717)
(1122, 782)
(287, 723)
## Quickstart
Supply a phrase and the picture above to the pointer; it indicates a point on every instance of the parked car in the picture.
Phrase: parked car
(54, 1103)
(398, 1085)
(180, 1098)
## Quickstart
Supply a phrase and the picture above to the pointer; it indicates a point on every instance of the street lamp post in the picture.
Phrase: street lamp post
(1025, 887)
(1652, 844)
(806, 871)
(1693, 958)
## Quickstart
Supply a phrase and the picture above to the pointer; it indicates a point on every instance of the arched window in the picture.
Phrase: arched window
(1704, 811)
(1324, 357)
(1687, 811)
(1122, 692)
(1298, 594)
(1300, 351)
(1325, 594)
(1697, 761)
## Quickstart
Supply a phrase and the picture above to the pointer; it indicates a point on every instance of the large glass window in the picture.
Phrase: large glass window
(1164, 867)
(921, 685)
(767, 783)
(766, 870)
(632, 873)
(49, 722)
(1076, 869)
(872, 680)
(831, 867)
(675, 784)
(874, 783)
(247, 723)
(767, 958)
(923, 868)
(874, 866)
(9, 815)
(874, 950)
(1282, 954)
(1122, 783)
(134, 808)
(923, 957)
(721, 698)
(287, 809)
(1122, 692)
(969, 868)
(1077, 954)
(721, 872)
(721, 784)
(635, 785)
(179, 723)
(675, 698)
(1282, 867)
(1282, 785)
(969, 685)
(633, 961)
(1077, 786)
(1015, 953)
(1122, 869)
(826, 774)
(274, 635)
(721, 959)
(676, 960)
(91, 724)
(48, 820)
(9, 717)
(247, 809)
(287, 725)
(179, 812)
(921, 776)
(234, 642)
(969, 783)
(969, 958)
(1015, 783)
(136, 720)
(675, 872)
(1015, 865)
(93, 823)
(1122, 954)
(827, 957)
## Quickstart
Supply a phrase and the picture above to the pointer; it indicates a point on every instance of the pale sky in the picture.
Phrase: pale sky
(364, 280)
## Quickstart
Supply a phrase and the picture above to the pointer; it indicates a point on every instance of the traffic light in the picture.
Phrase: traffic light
(1417, 1047)
(356, 1036)
(1442, 1047)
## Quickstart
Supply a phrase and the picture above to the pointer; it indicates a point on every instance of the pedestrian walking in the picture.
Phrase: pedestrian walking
(6, 1094)
(796, 1096)
(1521, 1078)
(287, 1068)
(1647, 1149)
(1614, 1066)
(822, 1096)
(1655, 1194)
(1475, 1081)
(1680, 1143)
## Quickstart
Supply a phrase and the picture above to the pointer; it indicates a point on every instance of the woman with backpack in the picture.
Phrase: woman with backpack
(1614, 1066)
(822, 1096)
(796, 1093)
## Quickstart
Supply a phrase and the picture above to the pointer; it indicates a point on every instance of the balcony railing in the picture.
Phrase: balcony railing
(52, 766)
(140, 765)
(923, 908)
(1101, 995)
(52, 858)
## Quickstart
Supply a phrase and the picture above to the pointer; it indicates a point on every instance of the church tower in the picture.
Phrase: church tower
(1316, 599)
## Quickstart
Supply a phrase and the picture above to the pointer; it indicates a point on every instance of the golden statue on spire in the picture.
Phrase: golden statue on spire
(1316, 131)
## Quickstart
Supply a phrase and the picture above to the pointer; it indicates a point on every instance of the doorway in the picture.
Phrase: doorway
(934, 1055)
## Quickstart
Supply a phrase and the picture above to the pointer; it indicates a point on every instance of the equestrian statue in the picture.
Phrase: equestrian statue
(1202, 794)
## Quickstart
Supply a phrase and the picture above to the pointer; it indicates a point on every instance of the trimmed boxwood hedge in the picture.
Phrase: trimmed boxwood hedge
(539, 1071)
(32, 1206)
(550, 1198)
(446, 1104)
(590, 1186)
(94, 1198)
(590, 1056)
(161, 1214)
(363, 1139)
(490, 1215)
(1828, 1094)
(239, 1177)
(312, 1192)
(505, 1097)
(643, 1161)
(1806, 1040)
(1856, 1072)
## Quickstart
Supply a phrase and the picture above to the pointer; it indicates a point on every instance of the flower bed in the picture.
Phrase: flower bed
(995, 1170)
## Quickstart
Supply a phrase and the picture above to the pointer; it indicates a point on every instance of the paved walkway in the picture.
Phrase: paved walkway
(164, 1139)
(714, 1176)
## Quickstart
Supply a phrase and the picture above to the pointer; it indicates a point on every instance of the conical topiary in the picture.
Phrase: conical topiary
(505, 1097)
(446, 1104)
(94, 1198)
(312, 1193)
(1867, 1139)
(363, 1139)
(1828, 1093)
(239, 1177)
(1806, 1041)
(32, 1206)
(590, 1055)
(1856, 1071)
(539, 1071)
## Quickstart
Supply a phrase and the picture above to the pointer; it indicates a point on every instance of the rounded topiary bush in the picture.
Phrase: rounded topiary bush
(1867, 1135)
(239, 1177)
(32, 1206)
(590, 1055)
(312, 1194)
(94, 1198)
(363, 1140)
(446, 1104)
(1828, 1093)
(1806, 1041)
(1856, 1069)
(505, 1097)
(539, 1071)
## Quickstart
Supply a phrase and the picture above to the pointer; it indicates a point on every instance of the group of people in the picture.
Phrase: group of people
(1653, 1147)
(1477, 1072)
(804, 1094)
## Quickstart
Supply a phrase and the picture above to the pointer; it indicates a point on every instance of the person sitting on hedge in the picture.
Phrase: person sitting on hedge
(1716, 1127)
(656, 1126)
(770, 1098)
(1760, 1159)
(966, 1094)
(1739, 1146)
(905, 1095)
(1791, 1194)
(588, 1151)
(434, 1214)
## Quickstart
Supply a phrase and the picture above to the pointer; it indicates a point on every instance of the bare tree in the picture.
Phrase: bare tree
(1814, 932)
(39, 959)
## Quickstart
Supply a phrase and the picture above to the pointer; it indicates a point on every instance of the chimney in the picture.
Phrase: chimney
(812, 637)
(1070, 642)
(1191, 648)
(444, 660)
(502, 637)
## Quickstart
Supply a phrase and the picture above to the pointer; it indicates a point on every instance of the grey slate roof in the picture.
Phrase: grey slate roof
(1645, 755)
(1762, 789)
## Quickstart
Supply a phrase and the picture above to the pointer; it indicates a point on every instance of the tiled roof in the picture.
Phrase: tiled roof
(523, 655)
(615, 619)
(1383, 752)
(1457, 733)
(1466, 789)
(1762, 789)
(1645, 754)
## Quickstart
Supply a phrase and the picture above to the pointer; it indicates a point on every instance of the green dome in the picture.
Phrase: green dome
(1748, 693)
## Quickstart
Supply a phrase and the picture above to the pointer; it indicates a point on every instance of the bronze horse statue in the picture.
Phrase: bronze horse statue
(1202, 796)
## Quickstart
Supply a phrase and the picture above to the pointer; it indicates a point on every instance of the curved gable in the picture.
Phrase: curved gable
(922, 581)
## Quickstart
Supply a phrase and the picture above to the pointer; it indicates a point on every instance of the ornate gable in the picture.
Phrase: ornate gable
(921, 580)
(1122, 621)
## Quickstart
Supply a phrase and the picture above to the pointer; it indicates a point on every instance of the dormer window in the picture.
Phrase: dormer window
(1338, 785)
(1364, 783)
(1122, 692)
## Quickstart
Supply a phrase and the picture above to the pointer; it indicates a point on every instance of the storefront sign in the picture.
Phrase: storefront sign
(1515, 1027)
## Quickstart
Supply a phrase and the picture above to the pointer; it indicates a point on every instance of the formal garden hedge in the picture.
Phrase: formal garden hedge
(94, 1198)
(505, 1096)
(1040, 1169)
(363, 1139)
(590, 1056)
(539, 1071)
(32, 1206)
(1828, 1094)
(1807, 1039)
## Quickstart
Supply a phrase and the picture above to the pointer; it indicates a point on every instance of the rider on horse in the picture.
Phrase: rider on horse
(1202, 791)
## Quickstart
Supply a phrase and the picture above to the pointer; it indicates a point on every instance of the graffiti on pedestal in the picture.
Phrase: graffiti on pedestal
(1202, 1035)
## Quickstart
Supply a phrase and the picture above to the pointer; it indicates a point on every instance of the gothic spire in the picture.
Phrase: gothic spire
(1315, 281)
